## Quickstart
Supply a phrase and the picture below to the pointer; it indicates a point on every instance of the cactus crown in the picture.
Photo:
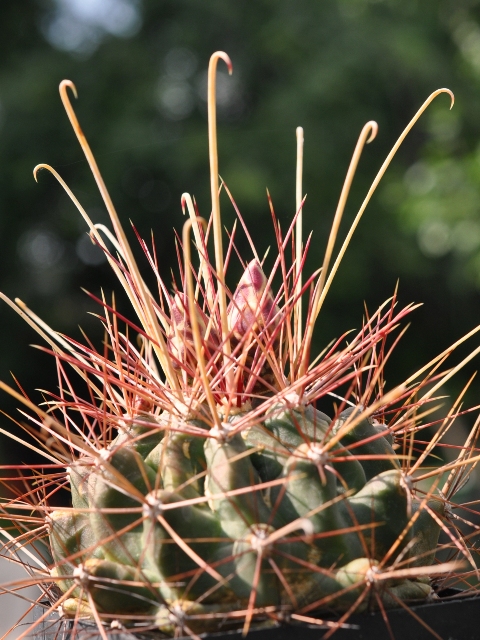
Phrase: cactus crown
(207, 491)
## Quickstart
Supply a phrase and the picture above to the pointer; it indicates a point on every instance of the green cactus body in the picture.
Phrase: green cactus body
(308, 492)
(179, 485)
(426, 531)
(375, 504)
(231, 469)
(72, 541)
(368, 440)
(111, 489)
(115, 588)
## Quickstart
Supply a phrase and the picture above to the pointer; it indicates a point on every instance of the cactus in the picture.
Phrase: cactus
(349, 519)
(214, 493)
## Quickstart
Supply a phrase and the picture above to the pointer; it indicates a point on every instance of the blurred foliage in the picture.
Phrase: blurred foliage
(330, 66)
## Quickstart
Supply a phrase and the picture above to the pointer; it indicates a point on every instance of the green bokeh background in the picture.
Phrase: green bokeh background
(328, 66)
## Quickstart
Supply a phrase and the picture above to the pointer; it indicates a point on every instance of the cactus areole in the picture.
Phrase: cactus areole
(207, 490)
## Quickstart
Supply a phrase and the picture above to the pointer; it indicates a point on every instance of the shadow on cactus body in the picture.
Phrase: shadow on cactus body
(207, 490)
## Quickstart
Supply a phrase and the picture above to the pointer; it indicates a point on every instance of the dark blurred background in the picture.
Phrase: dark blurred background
(330, 66)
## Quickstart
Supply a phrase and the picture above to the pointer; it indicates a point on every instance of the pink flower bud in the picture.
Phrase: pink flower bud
(180, 338)
(252, 309)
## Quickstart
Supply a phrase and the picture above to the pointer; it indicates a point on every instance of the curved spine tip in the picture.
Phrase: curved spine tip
(221, 55)
(36, 169)
(67, 84)
(40, 166)
(450, 93)
(373, 131)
